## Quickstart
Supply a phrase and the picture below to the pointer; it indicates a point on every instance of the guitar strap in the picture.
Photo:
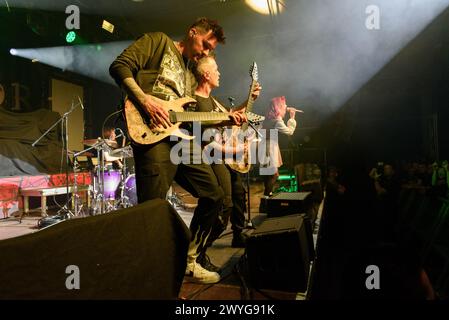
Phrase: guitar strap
(219, 105)
(190, 81)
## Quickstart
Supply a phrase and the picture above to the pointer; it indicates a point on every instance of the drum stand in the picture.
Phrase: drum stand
(98, 200)
(124, 201)
(77, 207)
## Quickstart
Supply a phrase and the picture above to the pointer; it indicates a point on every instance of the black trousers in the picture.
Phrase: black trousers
(234, 202)
(155, 173)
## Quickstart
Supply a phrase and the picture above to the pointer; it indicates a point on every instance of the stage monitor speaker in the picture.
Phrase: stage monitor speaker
(279, 254)
(134, 253)
(285, 203)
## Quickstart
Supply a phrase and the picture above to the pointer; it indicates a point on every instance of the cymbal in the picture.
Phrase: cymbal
(87, 154)
(126, 152)
(92, 142)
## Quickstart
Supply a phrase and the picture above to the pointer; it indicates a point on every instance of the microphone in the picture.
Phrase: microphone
(294, 109)
(81, 102)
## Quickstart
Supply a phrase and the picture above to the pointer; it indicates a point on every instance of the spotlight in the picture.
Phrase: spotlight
(266, 7)
(108, 26)
(13, 52)
(70, 37)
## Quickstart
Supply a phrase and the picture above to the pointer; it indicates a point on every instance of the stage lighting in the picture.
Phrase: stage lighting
(13, 52)
(70, 37)
(106, 25)
(266, 7)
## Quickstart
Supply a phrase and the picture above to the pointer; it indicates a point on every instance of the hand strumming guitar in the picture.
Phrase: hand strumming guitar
(238, 117)
(157, 113)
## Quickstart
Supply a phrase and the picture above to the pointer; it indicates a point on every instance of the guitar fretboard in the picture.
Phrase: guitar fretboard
(197, 116)
(249, 106)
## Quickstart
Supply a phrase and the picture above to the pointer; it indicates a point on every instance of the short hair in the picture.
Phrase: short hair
(206, 24)
(199, 69)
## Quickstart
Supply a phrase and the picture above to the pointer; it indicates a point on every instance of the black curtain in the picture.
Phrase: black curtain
(17, 132)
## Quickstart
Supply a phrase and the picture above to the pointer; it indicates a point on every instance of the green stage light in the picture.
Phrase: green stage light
(70, 37)
(287, 183)
(286, 177)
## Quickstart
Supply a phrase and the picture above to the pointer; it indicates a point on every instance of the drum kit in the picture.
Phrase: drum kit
(113, 181)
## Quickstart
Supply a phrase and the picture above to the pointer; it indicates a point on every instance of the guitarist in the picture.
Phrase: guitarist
(208, 78)
(156, 65)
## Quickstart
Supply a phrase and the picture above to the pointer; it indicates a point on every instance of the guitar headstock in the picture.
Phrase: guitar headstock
(253, 72)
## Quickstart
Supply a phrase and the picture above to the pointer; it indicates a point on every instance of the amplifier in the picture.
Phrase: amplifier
(279, 254)
(285, 203)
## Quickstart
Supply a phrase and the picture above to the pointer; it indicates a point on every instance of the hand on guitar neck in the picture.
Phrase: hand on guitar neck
(254, 94)
(256, 91)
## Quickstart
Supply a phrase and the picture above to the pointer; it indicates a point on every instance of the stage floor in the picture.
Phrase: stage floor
(221, 253)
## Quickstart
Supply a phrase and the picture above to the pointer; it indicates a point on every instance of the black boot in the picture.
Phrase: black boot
(204, 260)
(239, 240)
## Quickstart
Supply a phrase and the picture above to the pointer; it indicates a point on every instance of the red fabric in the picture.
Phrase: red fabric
(9, 188)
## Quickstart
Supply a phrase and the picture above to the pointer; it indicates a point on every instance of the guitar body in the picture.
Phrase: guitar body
(243, 163)
(137, 122)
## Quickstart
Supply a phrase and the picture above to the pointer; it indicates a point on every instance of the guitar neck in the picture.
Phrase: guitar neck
(197, 116)
(249, 106)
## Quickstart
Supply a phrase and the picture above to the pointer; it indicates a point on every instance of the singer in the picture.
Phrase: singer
(274, 119)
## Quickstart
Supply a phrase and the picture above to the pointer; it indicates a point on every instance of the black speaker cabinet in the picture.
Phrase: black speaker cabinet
(279, 254)
(134, 253)
(285, 203)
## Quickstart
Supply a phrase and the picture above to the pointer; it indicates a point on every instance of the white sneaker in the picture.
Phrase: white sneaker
(196, 273)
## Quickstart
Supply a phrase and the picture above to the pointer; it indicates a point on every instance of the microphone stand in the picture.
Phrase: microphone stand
(249, 223)
(65, 140)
